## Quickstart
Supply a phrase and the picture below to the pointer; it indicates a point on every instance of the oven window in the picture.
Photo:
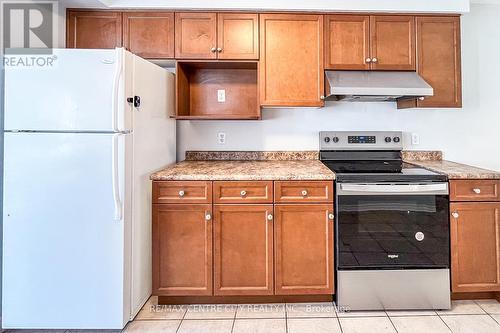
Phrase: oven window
(393, 232)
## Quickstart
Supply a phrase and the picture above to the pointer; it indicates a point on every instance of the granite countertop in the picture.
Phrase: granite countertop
(294, 165)
(246, 170)
(456, 170)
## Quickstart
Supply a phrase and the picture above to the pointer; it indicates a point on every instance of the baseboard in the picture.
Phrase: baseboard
(165, 300)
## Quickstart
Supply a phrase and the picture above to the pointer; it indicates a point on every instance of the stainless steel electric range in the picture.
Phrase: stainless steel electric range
(392, 225)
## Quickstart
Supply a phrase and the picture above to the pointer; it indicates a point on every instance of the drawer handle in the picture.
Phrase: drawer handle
(270, 217)
(181, 193)
(477, 190)
(455, 215)
(243, 193)
(304, 193)
(331, 216)
(208, 217)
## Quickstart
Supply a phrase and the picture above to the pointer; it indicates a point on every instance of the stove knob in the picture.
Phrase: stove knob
(327, 139)
(388, 139)
(335, 139)
(396, 139)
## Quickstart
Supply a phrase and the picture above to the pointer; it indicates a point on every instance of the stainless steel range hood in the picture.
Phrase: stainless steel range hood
(366, 86)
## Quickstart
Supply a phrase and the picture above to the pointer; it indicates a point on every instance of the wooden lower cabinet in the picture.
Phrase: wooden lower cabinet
(303, 238)
(475, 246)
(182, 250)
(243, 250)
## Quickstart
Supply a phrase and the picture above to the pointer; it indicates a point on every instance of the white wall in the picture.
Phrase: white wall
(468, 135)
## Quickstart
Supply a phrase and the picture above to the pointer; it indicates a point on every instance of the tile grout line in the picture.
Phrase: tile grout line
(286, 317)
(182, 319)
(395, 329)
(489, 314)
(449, 328)
(234, 318)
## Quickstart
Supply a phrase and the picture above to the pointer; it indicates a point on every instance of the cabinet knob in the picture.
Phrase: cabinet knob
(421, 98)
(181, 193)
(270, 217)
(374, 60)
(368, 60)
(243, 193)
(331, 216)
(455, 215)
(208, 217)
(213, 49)
(219, 49)
(477, 190)
(322, 97)
(304, 193)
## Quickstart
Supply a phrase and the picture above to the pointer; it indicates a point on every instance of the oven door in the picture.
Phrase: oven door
(392, 226)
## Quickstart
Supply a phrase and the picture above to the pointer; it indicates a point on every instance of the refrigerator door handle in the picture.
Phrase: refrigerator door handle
(116, 86)
(116, 178)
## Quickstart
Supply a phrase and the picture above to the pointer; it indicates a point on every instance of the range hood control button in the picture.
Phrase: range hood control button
(327, 139)
(335, 139)
(396, 139)
(388, 139)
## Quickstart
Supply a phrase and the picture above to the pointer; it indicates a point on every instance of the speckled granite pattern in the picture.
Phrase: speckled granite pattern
(422, 155)
(251, 155)
(456, 170)
(246, 170)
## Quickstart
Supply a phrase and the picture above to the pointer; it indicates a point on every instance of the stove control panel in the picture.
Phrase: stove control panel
(353, 140)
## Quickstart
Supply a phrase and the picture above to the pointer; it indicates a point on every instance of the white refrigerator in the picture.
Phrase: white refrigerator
(77, 194)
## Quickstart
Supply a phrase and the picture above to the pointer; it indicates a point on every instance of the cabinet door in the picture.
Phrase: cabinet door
(195, 35)
(392, 41)
(182, 250)
(347, 42)
(243, 250)
(438, 54)
(291, 60)
(237, 36)
(304, 249)
(93, 29)
(475, 246)
(149, 34)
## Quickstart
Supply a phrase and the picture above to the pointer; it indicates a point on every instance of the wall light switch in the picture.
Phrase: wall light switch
(415, 139)
(221, 95)
(221, 138)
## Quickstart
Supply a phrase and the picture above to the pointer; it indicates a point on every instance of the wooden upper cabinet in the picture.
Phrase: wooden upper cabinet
(93, 29)
(347, 42)
(237, 36)
(392, 42)
(291, 60)
(438, 54)
(303, 238)
(195, 35)
(149, 34)
(362, 42)
(475, 246)
(243, 250)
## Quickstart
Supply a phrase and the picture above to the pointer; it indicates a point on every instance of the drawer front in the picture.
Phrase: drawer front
(303, 191)
(182, 192)
(243, 192)
(474, 190)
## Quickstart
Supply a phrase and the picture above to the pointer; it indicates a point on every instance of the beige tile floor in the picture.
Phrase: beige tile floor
(481, 316)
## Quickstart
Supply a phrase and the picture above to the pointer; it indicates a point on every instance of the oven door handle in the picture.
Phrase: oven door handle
(393, 189)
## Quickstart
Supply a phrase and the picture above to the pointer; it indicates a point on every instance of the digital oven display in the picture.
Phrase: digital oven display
(361, 139)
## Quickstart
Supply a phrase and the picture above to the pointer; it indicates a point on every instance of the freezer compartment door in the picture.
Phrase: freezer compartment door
(81, 91)
(63, 249)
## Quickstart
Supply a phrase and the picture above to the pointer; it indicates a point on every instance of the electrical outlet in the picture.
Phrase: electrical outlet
(221, 95)
(415, 139)
(221, 138)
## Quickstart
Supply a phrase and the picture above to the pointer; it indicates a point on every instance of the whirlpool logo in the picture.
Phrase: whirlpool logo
(393, 256)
